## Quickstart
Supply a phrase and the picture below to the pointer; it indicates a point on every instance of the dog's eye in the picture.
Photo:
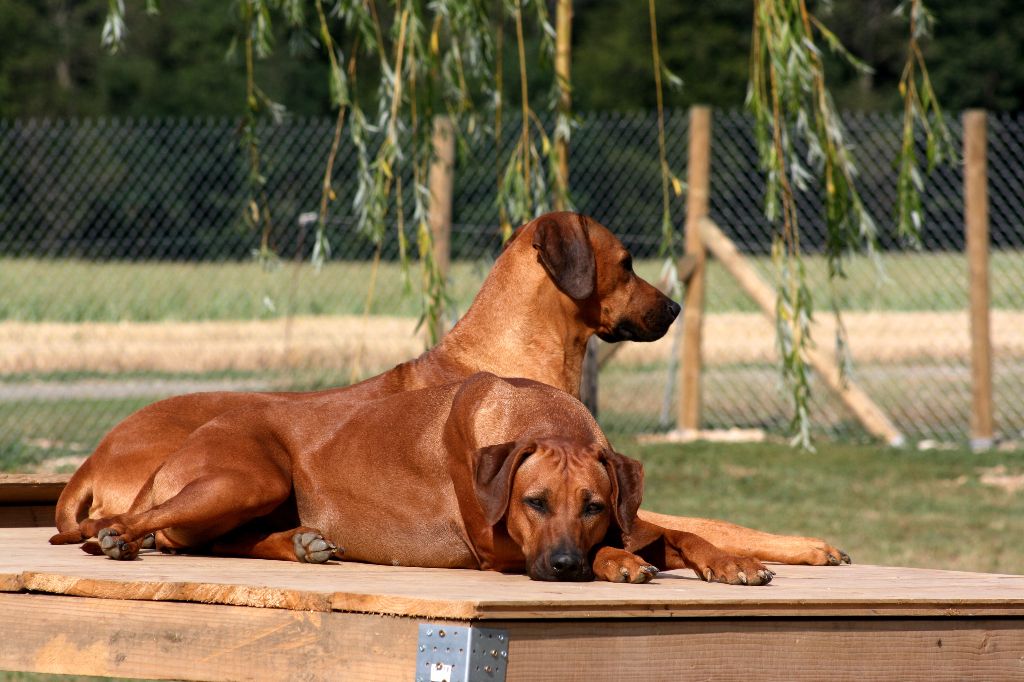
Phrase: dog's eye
(536, 503)
(593, 509)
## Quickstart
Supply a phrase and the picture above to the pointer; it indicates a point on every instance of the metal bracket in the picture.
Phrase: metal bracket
(461, 653)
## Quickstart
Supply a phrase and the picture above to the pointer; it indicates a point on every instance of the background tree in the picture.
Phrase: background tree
(175, 64)
(407, 61)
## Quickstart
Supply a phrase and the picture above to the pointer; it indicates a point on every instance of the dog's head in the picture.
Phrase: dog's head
(558, 500)
(592, 267)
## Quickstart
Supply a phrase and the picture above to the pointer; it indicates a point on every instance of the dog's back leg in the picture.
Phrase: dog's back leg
(741, 541)
(218, 481)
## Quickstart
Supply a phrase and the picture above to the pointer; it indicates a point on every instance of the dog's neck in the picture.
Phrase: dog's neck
(532, 329)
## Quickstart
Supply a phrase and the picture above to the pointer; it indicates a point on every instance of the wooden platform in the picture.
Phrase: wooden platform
(217, 619)
(29, 499)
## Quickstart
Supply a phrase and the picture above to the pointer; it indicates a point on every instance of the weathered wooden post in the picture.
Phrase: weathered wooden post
(440, 181)
(698, 178)
(563, 73)
(976, 227)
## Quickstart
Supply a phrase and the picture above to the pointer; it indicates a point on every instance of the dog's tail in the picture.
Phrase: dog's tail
(73, 505)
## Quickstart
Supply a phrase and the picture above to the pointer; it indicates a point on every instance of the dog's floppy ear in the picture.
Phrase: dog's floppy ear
(495, 468)
(564, 250)
(627, 477)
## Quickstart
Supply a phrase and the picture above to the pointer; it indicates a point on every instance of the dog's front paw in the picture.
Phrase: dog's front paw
(619, 566)
(115, 546)
(734, 570)
(312, 548)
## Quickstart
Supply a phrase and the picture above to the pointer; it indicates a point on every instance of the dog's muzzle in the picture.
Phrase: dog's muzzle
(653, 326)
(562, 565)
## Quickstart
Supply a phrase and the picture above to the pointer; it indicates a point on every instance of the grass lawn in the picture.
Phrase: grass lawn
(74, 291)
(883, 506)
(34, 431)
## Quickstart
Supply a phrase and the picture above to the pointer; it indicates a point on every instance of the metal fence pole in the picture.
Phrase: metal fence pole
(698, 194)
(976, 226)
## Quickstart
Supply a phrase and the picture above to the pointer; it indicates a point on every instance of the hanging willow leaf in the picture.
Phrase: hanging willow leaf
(669, 237)
(920, 110)
(801, 144)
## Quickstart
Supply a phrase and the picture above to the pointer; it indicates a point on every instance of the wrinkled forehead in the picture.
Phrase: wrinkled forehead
(561, 466)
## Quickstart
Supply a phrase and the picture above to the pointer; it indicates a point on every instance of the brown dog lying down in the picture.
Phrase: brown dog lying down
(502, 474)
(561, 279)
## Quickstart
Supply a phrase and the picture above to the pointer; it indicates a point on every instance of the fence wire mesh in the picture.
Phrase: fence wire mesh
(127, 275)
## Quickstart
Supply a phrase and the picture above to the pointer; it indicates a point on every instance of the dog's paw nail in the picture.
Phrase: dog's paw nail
(709, 575)
(742, 577)
(845, 557)
(650, 570)
(833, 560)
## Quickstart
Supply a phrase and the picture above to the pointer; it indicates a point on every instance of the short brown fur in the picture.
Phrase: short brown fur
(522, 323)
(509, 475)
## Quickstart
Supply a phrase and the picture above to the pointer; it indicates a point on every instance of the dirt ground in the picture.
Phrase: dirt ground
(378, 342)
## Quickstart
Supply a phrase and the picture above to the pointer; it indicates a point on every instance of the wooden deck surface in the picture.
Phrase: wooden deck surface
(180, 617)
(27, 562)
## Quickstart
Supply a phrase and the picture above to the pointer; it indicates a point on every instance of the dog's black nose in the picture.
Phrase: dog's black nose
(566, 564)
(673, 308)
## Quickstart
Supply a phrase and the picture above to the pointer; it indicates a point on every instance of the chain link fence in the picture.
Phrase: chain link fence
(127, 275)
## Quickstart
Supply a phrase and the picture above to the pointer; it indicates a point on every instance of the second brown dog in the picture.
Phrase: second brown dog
(501, 474)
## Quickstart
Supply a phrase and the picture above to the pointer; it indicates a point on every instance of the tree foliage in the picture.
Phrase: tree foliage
(390, 66)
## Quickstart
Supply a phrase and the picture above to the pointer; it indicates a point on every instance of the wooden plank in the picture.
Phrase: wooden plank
(27, 516)
(698, 192)
(31, 488)
(70, 635)
(874, 420)
(109, 637)
(770, 649)
(27, 562)
(976, 226)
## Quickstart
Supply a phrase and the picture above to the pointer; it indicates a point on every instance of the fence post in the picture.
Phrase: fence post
(976, 226)
(698, 180)
(440, 181)
(563, 71)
